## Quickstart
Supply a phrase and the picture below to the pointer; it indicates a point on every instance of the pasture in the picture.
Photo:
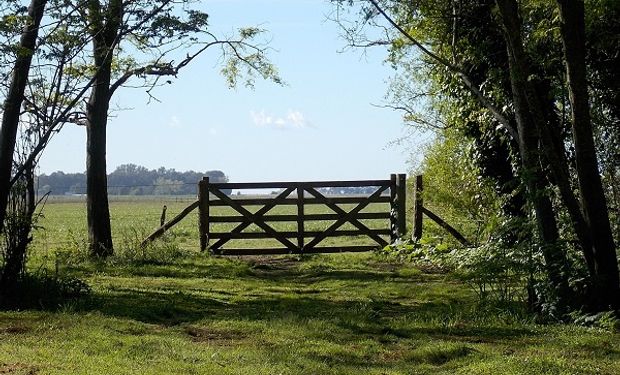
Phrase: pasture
(171, 310)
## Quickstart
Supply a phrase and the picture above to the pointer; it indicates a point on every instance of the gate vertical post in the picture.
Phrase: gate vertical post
(300, 219)
(401, 205)
(418, 191)
(393, 205)
(203, 212)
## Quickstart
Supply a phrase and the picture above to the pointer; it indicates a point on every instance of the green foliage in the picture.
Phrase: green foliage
(163, 251)
(128, 250)
(159, 313)
(130, 179)
(453, 49)
(607, 320)
(454, 189)
(164, 186)
(244, 62)
(46, 291)
(495, 272)
(500, 271)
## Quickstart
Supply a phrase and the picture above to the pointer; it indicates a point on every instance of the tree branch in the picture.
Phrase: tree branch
(467, 81)
(165, 69)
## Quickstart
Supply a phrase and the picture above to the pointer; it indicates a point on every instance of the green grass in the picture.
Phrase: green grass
(64, 222)
(324, 314)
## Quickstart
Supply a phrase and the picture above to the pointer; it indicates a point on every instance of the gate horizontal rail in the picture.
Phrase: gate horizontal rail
(260, 235)
(307, 217)
(301, 194)
(306, 184)
(295, 201)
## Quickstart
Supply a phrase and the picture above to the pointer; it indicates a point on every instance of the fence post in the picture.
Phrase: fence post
(418, 204)
(401, 205)
(393, 204)
(300, 219)
(162, 219)
(203, 212)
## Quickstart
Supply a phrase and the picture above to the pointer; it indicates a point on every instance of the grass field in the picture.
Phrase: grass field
(323, 314)
(64, 223)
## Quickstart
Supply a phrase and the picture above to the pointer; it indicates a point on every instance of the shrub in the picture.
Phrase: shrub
(42, 290)
(164, 250)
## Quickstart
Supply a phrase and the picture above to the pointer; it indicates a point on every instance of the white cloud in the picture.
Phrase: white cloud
(174, 122)
(292, 120)
(297, 119)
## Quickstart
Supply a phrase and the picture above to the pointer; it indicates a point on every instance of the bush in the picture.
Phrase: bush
(164, 250)
(502, 270)
(607, 320)
(127, 250)
(42, 290)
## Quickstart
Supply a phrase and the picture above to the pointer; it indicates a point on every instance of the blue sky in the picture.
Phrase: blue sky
(321, 126)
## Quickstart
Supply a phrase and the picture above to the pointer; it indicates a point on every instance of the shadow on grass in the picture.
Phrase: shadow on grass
(319, 274)
(188, 269)
(469, 334)
(371, 319)
(233, 268)
(351, 316)
(435, 356)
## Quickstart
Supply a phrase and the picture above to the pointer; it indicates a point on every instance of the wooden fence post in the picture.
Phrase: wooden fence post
(401, 205)
(418, 204)
(300, 219)
(162, 229)
(162, 219)
(393, 204)
(203, 212)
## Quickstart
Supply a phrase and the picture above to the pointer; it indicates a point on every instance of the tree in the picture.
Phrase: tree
(595, 210)
(13, 102)
(148, 27)
(128, 179)
(529, 118)
(492, 59)
(51, 96)
(454, 189)
(39, 99)
(164, 186)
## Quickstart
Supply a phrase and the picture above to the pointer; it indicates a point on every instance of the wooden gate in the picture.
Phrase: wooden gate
(301, 194)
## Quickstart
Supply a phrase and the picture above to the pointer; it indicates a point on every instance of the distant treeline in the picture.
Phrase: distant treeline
(361, 190)
(131, 179)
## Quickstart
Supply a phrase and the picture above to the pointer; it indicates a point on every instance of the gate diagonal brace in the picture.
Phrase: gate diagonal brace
(346, 217)
(255, 218)
(359, 225)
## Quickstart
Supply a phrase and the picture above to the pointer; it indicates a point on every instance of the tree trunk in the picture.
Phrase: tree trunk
(607, 281)
(525, 106)
(98, 212)
(14, 99)
(104, 33)
(22, 204)
(553, 148)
